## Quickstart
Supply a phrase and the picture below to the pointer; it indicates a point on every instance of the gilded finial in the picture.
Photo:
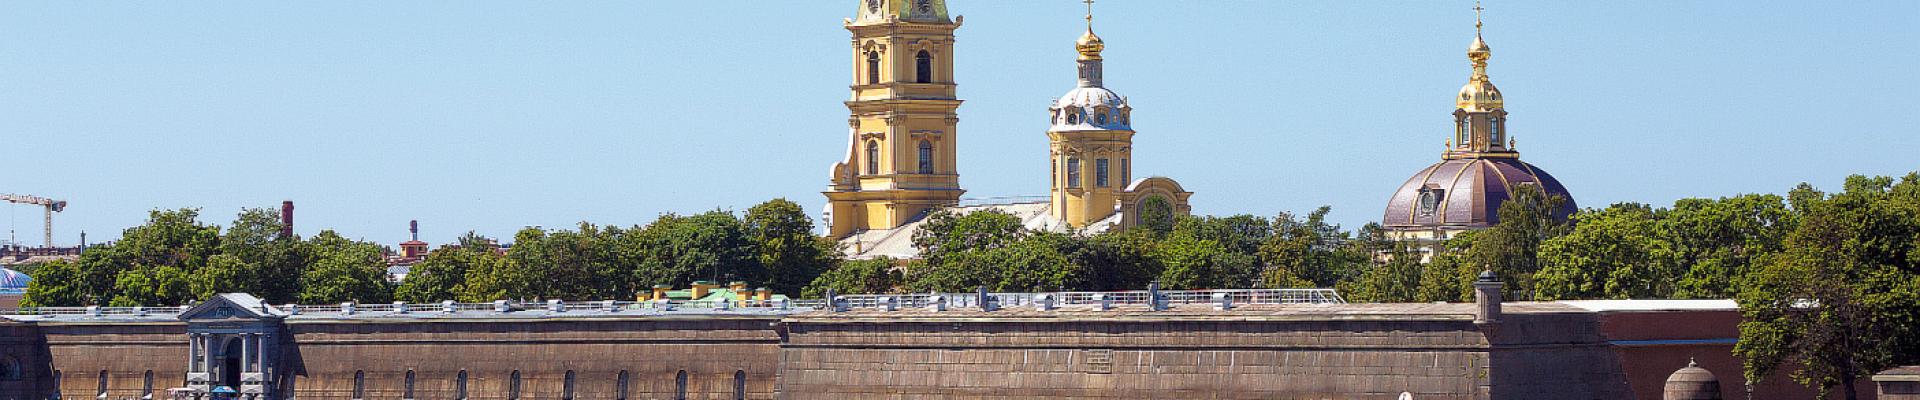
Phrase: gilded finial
(1090, 44)
(1476, 17)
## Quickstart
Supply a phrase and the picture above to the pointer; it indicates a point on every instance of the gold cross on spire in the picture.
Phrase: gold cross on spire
(1089, 14)
(1476, 16)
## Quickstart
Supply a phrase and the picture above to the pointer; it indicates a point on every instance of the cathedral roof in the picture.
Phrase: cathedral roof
(1466, 194)
(898, 242)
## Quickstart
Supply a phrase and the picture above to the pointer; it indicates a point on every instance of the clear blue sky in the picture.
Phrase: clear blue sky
(493, 115)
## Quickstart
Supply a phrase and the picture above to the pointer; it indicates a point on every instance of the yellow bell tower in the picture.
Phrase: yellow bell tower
(900, 158)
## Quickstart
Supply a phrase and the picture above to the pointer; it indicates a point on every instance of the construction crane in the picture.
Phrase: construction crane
(51, 205)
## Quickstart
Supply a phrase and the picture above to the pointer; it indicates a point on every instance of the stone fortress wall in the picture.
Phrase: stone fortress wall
(1592, 350)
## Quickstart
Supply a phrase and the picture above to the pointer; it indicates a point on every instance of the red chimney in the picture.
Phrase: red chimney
(286, 219)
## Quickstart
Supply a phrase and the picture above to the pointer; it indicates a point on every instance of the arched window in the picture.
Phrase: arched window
(620, 386)
(103, 384)
(873, 157)
(409, 387)
(359, 384)
(460, 386)
(566, 387)
(1100, 173)
(873, 67)
(513, 385)
(926, 157)
(146, 386)
(923, 67)
(680, 385)
(740, 385)
(1073, 172)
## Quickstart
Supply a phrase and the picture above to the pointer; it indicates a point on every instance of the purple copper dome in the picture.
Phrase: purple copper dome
(1466, 193)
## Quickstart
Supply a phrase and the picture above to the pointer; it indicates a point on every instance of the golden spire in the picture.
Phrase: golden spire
(1479, 94)
(1089, 44)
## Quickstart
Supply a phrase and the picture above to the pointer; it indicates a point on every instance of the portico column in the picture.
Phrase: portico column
(206, 344)
(246, 353)
(193, 348)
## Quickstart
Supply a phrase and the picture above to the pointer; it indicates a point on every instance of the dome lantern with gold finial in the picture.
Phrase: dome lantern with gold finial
(1479, 94)
(1089, 44)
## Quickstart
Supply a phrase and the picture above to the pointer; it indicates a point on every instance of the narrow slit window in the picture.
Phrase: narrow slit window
(873, 157)
(1100, 173)
(873, 67)
(926, 157)
(680, 385)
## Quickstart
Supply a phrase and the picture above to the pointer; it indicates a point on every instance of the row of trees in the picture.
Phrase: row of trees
(176, 259)
(960, 252)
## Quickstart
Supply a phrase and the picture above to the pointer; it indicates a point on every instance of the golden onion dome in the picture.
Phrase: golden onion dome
(1479, 94)
(1090, 45)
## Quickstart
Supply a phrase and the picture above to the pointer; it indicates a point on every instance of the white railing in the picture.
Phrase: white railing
(1153, 299)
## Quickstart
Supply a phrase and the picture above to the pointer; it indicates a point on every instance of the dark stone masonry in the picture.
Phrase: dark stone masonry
(1533, 350)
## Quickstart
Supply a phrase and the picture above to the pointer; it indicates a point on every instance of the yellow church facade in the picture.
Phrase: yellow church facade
(901, 162)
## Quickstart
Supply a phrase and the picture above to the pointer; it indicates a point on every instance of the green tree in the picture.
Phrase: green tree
(1716, 241)
(676, 250)
(1842, 300)
(1120, 260)
(876, 275)
(784, 242)
(1190, 262)
(224, 273)
(151, 285)
(56, 284)
(345, 270)
(1156, 216)
(1616, 252)
(1511, 247)
(438, 277)
(571, 264)
(1448, 274)
(1397, 280)
(1309, 252)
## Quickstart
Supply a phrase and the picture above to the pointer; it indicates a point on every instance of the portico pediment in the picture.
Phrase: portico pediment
(231, 306)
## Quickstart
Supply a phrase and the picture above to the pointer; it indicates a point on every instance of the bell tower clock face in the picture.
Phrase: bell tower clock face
(923, 7)
(873, 6)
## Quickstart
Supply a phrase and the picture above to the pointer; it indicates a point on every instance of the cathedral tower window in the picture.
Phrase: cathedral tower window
(1493, 123)
(1100, 173)
(1073, 115)
(146, 385)
(923, 67)
(103, 384)
(873, 67)
(409, 386)
(1073, 172)
(926, 157)
(873, 157)
(1126, 170)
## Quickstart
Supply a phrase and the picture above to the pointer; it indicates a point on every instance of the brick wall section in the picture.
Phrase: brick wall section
(1217, 355)
(79, 352)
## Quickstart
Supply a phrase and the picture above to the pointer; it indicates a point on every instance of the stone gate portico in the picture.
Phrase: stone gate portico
(231, 340)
